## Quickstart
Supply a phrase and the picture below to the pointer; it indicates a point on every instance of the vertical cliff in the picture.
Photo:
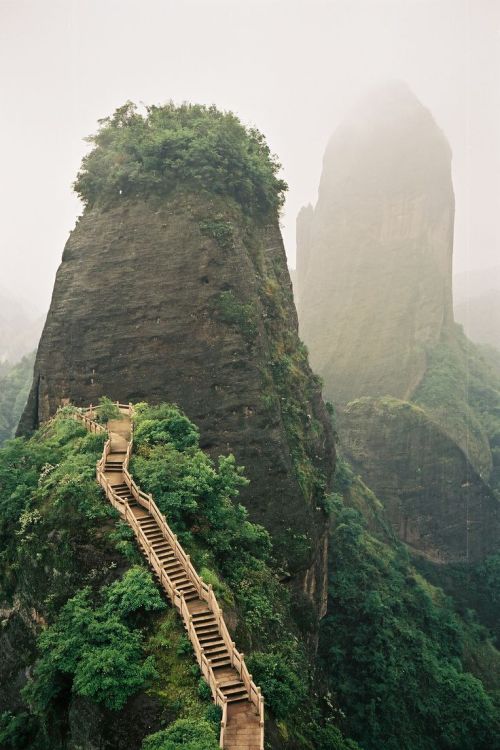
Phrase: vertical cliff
(374, 288)
(374, 272)
(174, 287)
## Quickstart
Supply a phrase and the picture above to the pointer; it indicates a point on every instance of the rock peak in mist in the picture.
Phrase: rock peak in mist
(374, 259)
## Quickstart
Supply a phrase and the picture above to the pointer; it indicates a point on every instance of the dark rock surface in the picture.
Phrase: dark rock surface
(436, 502)
(188, 301)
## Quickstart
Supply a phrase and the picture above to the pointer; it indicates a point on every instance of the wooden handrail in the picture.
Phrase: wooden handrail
(205, 591)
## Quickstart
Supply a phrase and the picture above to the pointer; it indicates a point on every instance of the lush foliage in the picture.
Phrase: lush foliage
(96, 645)
(195, 495)
(393, 649)
(191, 146)
(472, 586)
(198, 499)
(107, 410)
(64, 555)
(237, 314)
(15, 382)
(184, 734)
(49, 502)
(177, 685)
(282, 686)
(462, 392)
(220, 230)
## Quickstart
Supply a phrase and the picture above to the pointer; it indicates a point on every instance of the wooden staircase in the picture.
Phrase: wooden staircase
(223, 667)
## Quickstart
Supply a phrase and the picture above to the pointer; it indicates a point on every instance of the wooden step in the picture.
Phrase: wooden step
(167, 557)
(229, 684)
(237, 690)
(153, 536)
(206, 628)
(172, 565)
(209, 638)
(239, 699)
(161, 545)
(198, 616)
(189, 597)
(152, 531)
(219, 661)
(213, 651)
(178, 577)
(186, 587)
(214, 642)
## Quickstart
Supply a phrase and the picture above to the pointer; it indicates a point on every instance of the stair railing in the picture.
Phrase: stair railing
(205, 591)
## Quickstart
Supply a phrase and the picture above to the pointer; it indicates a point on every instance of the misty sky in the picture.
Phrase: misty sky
(291, 68)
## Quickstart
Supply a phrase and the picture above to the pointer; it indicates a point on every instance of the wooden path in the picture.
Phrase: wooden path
(223, 667)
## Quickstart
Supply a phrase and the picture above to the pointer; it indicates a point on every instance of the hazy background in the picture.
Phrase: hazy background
(291, 68)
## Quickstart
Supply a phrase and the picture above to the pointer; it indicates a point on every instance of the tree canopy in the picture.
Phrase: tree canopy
(191, 146)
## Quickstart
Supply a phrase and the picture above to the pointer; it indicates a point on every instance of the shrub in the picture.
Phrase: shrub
(107, 410)
(191, 145)
(183, 734)
(281, 686)
(219, 230)
(237, 314)
(96, 645)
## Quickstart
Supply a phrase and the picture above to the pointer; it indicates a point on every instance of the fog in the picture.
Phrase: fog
(291, 68)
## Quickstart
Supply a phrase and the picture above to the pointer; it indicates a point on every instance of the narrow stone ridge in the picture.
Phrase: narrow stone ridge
(223, 667)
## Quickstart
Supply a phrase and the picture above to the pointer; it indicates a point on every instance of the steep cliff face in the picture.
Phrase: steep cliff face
(434, 499)
(185, 297)
(374, 261)
(374, 294)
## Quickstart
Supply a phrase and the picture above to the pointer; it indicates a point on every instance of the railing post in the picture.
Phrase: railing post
(177, 597)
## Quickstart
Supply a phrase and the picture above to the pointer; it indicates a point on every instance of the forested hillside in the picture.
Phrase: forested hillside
(15, 383)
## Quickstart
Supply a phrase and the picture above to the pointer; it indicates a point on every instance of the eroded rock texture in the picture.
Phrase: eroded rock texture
(435, 500)
(186, 300)
(374, 258)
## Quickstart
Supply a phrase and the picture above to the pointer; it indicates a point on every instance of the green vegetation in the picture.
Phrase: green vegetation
(177, 684)
(237, 314)
(183, 735)
(220, 230)
(393, 649)
(107, 410)
(15, 383)
(96, 645)
(168, 147)
(198, 499)
(100, 631)
(462, 393)
(295, 387)
(472, 587)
